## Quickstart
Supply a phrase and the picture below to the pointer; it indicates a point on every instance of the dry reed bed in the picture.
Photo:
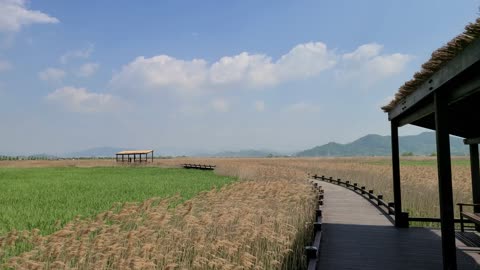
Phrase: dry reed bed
(419, 181)
(260, 224)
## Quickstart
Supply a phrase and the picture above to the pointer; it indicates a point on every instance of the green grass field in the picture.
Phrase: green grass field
(47, 198)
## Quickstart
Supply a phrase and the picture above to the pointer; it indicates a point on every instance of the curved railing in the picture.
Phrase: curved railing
(312, 251)
(362, 191)
(378, 199)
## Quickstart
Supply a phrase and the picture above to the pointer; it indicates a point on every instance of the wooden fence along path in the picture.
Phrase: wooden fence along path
(199, 166)
(312, 251)
(357, 233)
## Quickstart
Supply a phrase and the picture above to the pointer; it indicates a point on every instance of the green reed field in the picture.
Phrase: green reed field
(47, 198)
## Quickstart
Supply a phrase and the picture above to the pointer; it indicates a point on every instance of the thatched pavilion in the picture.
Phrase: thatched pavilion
(444, 96)
(134, 156)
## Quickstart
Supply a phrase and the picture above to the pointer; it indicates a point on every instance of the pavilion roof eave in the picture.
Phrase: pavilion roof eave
(465, 60)
(134, 152)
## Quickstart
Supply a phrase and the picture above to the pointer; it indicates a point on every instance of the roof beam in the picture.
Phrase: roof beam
(472, 141)
(416, 114)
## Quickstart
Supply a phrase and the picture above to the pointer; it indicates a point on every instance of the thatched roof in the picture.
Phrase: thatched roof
(439, 58)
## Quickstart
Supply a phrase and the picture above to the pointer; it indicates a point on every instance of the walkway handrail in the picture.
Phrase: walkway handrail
(378, 199)
(312, 252)
(362, 191)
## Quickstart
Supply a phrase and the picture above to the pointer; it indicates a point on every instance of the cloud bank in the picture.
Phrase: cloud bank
(255, 71)
(14, 15)
(244, 70)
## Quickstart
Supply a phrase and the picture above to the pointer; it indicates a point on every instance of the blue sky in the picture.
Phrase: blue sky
(186, 76)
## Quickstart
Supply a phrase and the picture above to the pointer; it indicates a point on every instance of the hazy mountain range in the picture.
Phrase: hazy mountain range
(376, 145)
(369, 145)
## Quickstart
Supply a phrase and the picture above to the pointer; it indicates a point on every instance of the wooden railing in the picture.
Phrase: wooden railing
(312, 251)
(378, 199)
(362, 191)
(199, 166)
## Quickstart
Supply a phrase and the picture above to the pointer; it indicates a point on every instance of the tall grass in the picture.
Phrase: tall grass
(46, 198)
(261, 224)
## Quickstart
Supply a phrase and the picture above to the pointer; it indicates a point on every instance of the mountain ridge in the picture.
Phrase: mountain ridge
(378, 145)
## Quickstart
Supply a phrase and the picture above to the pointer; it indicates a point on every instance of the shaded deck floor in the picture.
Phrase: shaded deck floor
(357, 235)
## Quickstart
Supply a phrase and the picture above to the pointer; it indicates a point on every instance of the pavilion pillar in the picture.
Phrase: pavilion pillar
(401, 219)
(152, 155)
(445, 183)
(475, 167)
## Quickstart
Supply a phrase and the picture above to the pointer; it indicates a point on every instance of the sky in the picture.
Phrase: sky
(206, 76)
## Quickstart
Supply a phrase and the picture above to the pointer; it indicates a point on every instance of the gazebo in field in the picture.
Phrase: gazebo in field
(444, 96)
(134, 156)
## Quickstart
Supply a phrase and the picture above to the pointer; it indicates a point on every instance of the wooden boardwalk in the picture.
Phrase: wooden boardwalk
(358, 235)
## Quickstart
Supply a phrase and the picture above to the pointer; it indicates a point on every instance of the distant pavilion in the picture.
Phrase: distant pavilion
(134, 156)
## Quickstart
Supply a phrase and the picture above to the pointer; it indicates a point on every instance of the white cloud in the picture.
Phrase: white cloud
(259, 105)
(14, 15)
(160, 72)
(366, 65)
(81, 53)
(244, 70)
(5, 65)
(305, 60)
(88, 69)
(220, 105)
(51, 74)
(303, 107)
(81, 100)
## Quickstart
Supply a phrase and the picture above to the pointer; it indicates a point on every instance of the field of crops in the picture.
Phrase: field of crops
(46, 198)
(261, 221)
(247, 224)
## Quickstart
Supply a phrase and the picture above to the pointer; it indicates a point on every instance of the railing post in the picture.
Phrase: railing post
(355, 186)
(338, 181)
(380, 197)
(370, 194)
(311, 252)
(390, 206)
(363, 190)
(462, 228)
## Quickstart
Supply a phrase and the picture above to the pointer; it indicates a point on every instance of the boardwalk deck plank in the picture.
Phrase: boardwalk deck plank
(357, 235)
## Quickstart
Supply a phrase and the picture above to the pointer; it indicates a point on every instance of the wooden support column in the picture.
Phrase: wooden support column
(445, 183)
(397, 192)
(152, 156)
(475, 167)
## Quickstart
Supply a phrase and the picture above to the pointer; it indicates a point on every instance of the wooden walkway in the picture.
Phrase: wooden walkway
(358, 235)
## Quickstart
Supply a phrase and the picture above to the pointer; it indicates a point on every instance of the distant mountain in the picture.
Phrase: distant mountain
(243, 153)
(96, 152)
(377, 145)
